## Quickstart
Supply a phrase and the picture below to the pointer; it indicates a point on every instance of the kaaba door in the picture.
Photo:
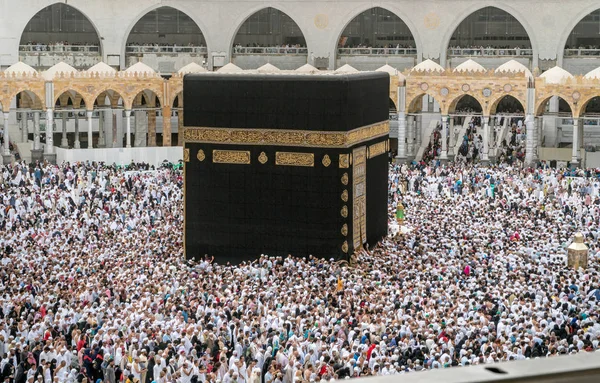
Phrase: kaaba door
(359, 192)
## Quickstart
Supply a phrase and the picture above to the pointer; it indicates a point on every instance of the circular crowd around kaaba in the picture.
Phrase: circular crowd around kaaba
(95, 287)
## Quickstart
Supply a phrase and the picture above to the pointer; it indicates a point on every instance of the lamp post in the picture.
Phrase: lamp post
(577, 253)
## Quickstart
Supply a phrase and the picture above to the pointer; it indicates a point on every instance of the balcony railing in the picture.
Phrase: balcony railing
(38, 48)
(490, 52)
(582, 52)
(269, 51)
(377, 51)
(141, 49)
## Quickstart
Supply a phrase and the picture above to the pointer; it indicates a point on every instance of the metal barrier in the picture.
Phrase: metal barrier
(490, 52)
(37, 48)
(580, 368)
(377, 51)
(582, 52)
(269, 51)
(140, 49)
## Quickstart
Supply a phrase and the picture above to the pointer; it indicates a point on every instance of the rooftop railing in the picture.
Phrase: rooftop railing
(490, 52)
(269, 51)
(141, 49)
(377, 51)
(582, 52)
(38, 48)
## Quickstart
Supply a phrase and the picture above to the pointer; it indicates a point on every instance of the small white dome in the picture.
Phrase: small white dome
(346, 69)
(192, 68)
(140, 68)
(268, 68)
(102, 67)
(427, 66)
(513, 66)
(391, 71)
(595, 74)
(469, 66)
(54, 70)
(556, 75)
(307, 68)
(230, 68)
(20, 67)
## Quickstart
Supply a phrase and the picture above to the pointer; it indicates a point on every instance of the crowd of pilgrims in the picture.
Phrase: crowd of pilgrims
(94, 286)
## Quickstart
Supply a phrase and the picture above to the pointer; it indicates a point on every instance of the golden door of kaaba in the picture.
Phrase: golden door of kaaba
(359, 203)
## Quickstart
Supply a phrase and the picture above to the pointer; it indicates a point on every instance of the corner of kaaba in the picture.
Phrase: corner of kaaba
(284, 164)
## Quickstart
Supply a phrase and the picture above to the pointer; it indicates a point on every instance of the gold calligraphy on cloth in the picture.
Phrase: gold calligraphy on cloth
(294, 159)
(231, 157)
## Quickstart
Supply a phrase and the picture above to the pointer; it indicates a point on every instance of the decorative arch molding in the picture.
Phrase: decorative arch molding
(348, 16)
(412, 101)
(177, 6)
(78, 8)
(560, 50)
(495, 101)
(454, 102)
(541, 103)
(514, 12)
(280, 6)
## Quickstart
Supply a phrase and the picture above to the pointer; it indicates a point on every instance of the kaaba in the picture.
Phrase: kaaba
(284, 164)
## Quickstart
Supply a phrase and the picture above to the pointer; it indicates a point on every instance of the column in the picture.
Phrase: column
(444, 154)
(530, 139)
(49, 132)
(575, 153)
(180, 127)
(64, 143)
(452, 140)
(486, 139)
(128, 127)
(77, 144)
(410, 139)
(401, 136)
(418, 127)
(36, 131)
(24, 127)
(151, 127)
(90, 137)
(166, 112)
(6, 147)
(101, 131)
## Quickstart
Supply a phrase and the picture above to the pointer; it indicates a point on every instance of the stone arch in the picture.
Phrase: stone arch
(28, 99)
(392, 105)
(458, 20)
(177, 99)
(464, 97)
(61, 4)
(188, 12)
(582, 107)
(413, 103)
(255, 11)
(541, 104)
(112, 95)
(143, 97)
(398, 11)
(30, 92)
(501, 98)
(74, 95)
(564, 36)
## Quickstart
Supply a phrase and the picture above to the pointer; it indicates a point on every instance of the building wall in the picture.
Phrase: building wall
(432, 22)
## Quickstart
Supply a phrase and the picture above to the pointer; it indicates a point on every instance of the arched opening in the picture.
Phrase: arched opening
(269, 32)
(584, 39)
(147, 120)
(507, 116)
(59, 30)
(490, 31)
(169, 32)
(590, 120)
(509, 105)
(111, 120)
(423, 128)
(69, 111)
(466, 105)
(178, 110)
(558, 126)
(377, 31)
(28, 113)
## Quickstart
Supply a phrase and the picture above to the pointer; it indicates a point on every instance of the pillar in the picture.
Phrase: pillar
(418, 132)
(152, 127)
(401, 136)
(452, 140)
(485, 156)
(90, 137)
(49, 154)
(530, 139)
(77, 144)
(64, 143)
(6, 147)
(166, 113)
(410, 137)
(444, 154)
(180, 127)
(101, 131)
(36, 131)
(24, 127)
(128, 127)
(575, 153)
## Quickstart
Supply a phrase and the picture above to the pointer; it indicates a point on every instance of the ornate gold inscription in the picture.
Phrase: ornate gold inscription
(201, 156)
(345, 179)
(186, 155)
(231, 157)
(344, 161)
(284, 137)
(345, 196)
(345, 230)
(344, 211)
(377, 149)
(262, 158)
(326, 160)
(294, 159)
(345, 246)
